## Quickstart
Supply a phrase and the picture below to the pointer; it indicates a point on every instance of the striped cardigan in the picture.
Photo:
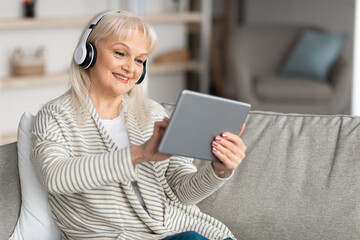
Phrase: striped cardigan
(89, 180)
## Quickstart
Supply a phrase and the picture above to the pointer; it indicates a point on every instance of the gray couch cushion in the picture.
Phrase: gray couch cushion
(292, 89)
(300, 179)
(10, 196)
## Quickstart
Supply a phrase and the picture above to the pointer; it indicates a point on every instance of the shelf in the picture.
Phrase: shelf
(8, 138)
(166, 68)
(30, 23)
(48, 79)
(188, 17)
(32, 81)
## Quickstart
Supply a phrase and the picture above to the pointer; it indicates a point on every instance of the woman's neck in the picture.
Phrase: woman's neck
(106, 107)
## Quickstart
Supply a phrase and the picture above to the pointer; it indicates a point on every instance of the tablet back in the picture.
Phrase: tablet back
(196, 120)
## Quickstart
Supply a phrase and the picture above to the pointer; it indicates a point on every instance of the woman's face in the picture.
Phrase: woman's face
(118, 66)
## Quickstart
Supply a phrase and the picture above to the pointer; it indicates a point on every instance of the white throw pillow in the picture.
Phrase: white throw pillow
(35, 220)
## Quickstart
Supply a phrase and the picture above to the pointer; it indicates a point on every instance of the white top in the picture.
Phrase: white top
(118, 132)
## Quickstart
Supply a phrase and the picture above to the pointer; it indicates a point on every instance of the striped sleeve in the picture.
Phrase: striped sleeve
(189, 185)
(59, 171)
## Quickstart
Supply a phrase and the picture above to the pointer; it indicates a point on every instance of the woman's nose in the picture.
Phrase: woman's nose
(129, 65)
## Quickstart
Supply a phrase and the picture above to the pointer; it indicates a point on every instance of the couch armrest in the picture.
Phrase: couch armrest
(10, 194)
(240, 78)
(341, 80)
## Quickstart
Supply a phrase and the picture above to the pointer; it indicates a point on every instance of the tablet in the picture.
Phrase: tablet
(196, 120)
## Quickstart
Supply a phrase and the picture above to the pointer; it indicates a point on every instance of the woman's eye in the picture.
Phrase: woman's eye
(139, 61)
(120, 54)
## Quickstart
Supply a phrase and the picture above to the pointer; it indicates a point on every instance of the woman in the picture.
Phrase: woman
(95, 147)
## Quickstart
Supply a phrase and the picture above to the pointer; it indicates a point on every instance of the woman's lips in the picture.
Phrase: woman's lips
(121, 78)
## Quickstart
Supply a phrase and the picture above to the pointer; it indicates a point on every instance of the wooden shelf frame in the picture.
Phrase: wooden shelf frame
(33, 81)
(186, 17)
(8, 138)
(32, 23)
(168, 68)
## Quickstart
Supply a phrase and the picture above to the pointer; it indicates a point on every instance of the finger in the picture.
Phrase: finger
(230, 150)
(242, 129)
(228, 139)
(161, 124)
(232, 153)
(165, 122)
(225, 161)
(223, 145)
(159, 129)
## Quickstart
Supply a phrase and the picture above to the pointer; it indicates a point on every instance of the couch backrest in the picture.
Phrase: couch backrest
(264, 47)
(10, 195)
(300, 179)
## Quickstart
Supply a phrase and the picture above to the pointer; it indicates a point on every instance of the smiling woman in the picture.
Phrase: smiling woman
(95, 147)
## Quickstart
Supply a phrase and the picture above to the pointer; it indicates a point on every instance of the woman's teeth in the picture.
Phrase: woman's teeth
(118, 76)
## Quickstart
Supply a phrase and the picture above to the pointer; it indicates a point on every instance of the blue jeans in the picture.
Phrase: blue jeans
(189, 235)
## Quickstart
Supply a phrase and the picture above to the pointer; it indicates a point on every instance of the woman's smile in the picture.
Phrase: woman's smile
(121, 78)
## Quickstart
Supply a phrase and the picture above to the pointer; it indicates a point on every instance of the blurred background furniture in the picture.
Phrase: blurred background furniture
(258, 53)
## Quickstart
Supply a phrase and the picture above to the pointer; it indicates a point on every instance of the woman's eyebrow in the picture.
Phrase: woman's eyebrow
(123, 44)
(126, 46)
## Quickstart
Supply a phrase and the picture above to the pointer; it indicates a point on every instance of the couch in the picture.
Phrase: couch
(258, 54)
(300, 180)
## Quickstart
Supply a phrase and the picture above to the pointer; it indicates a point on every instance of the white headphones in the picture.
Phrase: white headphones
(85, 52)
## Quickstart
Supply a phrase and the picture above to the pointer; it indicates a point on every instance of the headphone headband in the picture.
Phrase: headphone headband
(81, 50)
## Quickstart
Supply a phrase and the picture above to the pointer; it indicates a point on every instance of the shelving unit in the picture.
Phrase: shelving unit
(17, 24)
(7, 24)
(201, 18)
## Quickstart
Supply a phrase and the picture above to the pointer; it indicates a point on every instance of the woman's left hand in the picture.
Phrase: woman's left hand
(230, 150)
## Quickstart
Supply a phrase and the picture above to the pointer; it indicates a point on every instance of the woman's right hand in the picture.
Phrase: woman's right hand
(149, 150)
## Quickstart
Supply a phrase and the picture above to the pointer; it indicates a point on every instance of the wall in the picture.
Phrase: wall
(60, 44)
(355, 108)
(335, 15)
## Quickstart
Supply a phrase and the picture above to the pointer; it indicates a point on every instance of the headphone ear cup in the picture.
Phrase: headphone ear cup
(141, 78)
(90, 57)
